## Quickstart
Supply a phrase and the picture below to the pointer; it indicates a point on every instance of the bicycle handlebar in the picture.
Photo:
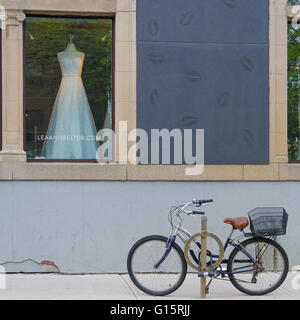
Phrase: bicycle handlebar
(200, 202)
(195, 203)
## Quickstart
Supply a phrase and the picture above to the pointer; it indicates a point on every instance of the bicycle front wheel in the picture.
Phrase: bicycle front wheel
(266, 274)
(153, 268)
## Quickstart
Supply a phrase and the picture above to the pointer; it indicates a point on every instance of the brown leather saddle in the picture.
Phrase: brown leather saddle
(238, 223)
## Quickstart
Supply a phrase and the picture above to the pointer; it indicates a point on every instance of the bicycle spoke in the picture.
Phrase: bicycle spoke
(261, 276)
(152, 277)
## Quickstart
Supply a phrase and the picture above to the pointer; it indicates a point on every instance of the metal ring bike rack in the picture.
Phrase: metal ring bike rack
(204, 234)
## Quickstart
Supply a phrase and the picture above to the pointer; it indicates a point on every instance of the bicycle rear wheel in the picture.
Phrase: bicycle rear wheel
(266, 275)
(143, 270)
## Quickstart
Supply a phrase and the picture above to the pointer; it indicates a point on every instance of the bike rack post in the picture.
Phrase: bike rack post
(203, 256)
(201, 265)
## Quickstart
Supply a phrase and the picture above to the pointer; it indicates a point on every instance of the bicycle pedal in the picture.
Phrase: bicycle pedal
(207, 290)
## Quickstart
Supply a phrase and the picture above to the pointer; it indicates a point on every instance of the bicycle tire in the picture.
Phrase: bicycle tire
(131, 272)
(245, 243)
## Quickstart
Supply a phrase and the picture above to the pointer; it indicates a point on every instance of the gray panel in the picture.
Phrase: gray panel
(222, 88)
(226, 21)
(218, 80)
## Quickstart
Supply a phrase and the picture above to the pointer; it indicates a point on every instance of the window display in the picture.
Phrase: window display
(68, 80)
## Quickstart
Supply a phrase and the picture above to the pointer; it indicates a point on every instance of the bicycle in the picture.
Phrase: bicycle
(257, 265)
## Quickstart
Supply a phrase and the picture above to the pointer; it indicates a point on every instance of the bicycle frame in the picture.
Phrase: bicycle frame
(184, 235)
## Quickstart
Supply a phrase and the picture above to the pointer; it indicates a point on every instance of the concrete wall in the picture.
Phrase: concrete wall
(205, 64)
(90, 226)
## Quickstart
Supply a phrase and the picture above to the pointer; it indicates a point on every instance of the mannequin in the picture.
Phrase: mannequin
(70, 52)
(71, 132)
(71, 49)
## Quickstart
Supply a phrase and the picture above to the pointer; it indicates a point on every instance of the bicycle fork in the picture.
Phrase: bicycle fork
(166, 253)
(169, 244)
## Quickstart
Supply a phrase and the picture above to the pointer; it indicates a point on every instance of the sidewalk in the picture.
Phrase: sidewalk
(119, 287)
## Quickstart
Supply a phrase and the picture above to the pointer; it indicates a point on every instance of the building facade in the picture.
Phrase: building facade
(226, 66)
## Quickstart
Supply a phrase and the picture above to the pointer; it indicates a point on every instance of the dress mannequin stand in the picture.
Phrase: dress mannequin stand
(71, 132)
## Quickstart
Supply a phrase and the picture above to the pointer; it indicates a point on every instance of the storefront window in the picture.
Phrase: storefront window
(68, 86)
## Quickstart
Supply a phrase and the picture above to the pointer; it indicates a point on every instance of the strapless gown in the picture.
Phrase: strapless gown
(71, 131)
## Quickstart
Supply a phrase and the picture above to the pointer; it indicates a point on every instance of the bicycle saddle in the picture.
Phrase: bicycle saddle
(238, 223)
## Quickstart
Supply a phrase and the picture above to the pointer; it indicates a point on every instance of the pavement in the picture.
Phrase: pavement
(120, 287)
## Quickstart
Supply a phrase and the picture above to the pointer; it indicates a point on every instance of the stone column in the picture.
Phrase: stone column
(125, 77)
(278, 82)
(12, 87)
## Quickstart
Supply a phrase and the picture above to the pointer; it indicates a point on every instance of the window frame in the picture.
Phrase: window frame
(112, 18)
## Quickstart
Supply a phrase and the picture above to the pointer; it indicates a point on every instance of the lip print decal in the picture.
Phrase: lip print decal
(189, 120)
(192, 76)
(230, 3)
(248, 136)
(155, 57)
(223, 99)
(186, 18)
(154, 97)
(153, 28)
(247, 64)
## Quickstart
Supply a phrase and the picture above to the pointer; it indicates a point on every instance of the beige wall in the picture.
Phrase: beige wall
(13, 159)
(106, 7)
